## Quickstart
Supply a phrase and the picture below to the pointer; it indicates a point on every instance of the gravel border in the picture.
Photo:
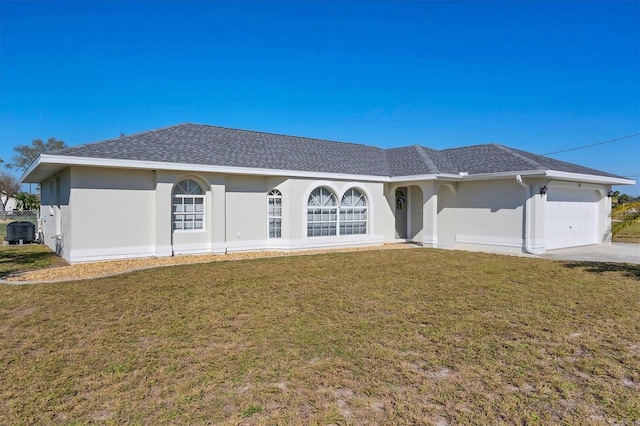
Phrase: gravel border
(91, 270)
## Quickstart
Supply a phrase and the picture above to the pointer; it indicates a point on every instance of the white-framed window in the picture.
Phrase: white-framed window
(274, 213)
(188, 206)
(353, 213)
(322, 213)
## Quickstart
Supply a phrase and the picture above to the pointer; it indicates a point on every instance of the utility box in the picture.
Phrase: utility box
(25, 231)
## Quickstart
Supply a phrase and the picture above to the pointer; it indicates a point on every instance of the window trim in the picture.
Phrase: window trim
(355, 210)
(331, 210)
(188, 194)
(275, 194)
(331, 188)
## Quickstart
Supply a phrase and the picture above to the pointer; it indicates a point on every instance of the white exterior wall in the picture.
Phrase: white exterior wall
(124, 213)
(113, 213)
(492, 214)
(295, 195)
(56, 213)
(46, 212)
(419, 210)
(481, 213)
(102, 213)
(207, 240)
(246, 201)
(237, 219)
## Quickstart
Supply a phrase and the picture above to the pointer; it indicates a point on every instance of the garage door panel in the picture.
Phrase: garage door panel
(571, 218)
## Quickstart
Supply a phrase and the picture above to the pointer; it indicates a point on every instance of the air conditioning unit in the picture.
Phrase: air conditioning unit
(25, 231)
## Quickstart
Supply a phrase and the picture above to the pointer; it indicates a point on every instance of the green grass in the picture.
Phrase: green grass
(380, 337)
(629, 235)
(28, 257)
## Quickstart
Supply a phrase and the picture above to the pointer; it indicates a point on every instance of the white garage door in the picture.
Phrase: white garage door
(570, 218)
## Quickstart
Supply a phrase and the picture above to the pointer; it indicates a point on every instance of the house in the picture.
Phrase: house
(192, 188)
(7, 204)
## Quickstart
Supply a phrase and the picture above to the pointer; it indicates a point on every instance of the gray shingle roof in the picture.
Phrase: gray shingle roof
(563, 166)
(406, 161)
(220, 146)
(211, 145)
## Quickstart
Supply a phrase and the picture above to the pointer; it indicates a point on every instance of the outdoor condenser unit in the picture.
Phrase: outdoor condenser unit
(25, 231)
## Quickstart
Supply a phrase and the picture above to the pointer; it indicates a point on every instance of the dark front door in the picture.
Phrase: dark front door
(401, 212)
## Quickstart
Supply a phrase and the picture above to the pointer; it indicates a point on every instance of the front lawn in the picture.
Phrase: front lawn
(378, 337)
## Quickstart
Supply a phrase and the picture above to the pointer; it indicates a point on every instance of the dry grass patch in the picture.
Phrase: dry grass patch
(23, 272)
(376, 337)
(630, 234)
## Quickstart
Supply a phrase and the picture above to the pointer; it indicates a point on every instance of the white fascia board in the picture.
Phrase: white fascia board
(204, 168)
(505, 175)
(451, 176)
(554, 174)
(411, 178)
(580, 177)
(32, 167)
(157, 165)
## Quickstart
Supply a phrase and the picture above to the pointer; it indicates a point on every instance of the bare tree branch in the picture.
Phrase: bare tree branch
(9, 186)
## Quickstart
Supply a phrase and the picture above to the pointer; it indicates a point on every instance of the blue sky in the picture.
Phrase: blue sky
(537, 76)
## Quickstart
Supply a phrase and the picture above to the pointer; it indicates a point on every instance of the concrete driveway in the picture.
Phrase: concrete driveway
(614, 252)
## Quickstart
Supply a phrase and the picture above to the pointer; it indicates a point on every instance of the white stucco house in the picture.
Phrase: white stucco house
(192, 188)
(11, 203)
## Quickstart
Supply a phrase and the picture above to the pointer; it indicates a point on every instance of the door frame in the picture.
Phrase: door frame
(398, 193)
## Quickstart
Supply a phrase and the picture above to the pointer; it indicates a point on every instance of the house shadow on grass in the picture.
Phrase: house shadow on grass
(17, 259)
(627, 269)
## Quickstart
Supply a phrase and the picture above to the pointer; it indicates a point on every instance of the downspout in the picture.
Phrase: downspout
(527, 219)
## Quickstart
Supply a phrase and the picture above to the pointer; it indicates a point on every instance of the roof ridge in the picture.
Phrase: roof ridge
(427, 160)
(518, 155)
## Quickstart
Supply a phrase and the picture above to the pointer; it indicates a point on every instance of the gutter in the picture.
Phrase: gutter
(63, 161)
(527, 219)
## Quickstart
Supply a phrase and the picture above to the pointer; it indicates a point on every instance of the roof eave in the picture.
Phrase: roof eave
(25, 178)
(581, 177)
(64, 161)
(553, 174)
(412, 178)
(503, 175)
(38, 171)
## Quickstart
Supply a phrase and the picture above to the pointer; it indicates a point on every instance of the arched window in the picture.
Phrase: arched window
(274, 213)
(353, 213)
(188, 206)
(322, 213)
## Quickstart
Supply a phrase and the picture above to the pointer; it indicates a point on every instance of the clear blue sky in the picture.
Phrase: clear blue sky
(538, 76)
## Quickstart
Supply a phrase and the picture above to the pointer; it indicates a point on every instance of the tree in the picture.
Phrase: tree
(26, 201)
(9, 186)
(26, 155)
(623, 198)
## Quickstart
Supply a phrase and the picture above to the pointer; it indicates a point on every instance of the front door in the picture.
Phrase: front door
(401, 212)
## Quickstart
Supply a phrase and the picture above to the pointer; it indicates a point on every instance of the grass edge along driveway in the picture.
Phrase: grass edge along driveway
(376, 337)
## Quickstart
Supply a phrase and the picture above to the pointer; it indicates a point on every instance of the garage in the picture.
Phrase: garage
(570, 218)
